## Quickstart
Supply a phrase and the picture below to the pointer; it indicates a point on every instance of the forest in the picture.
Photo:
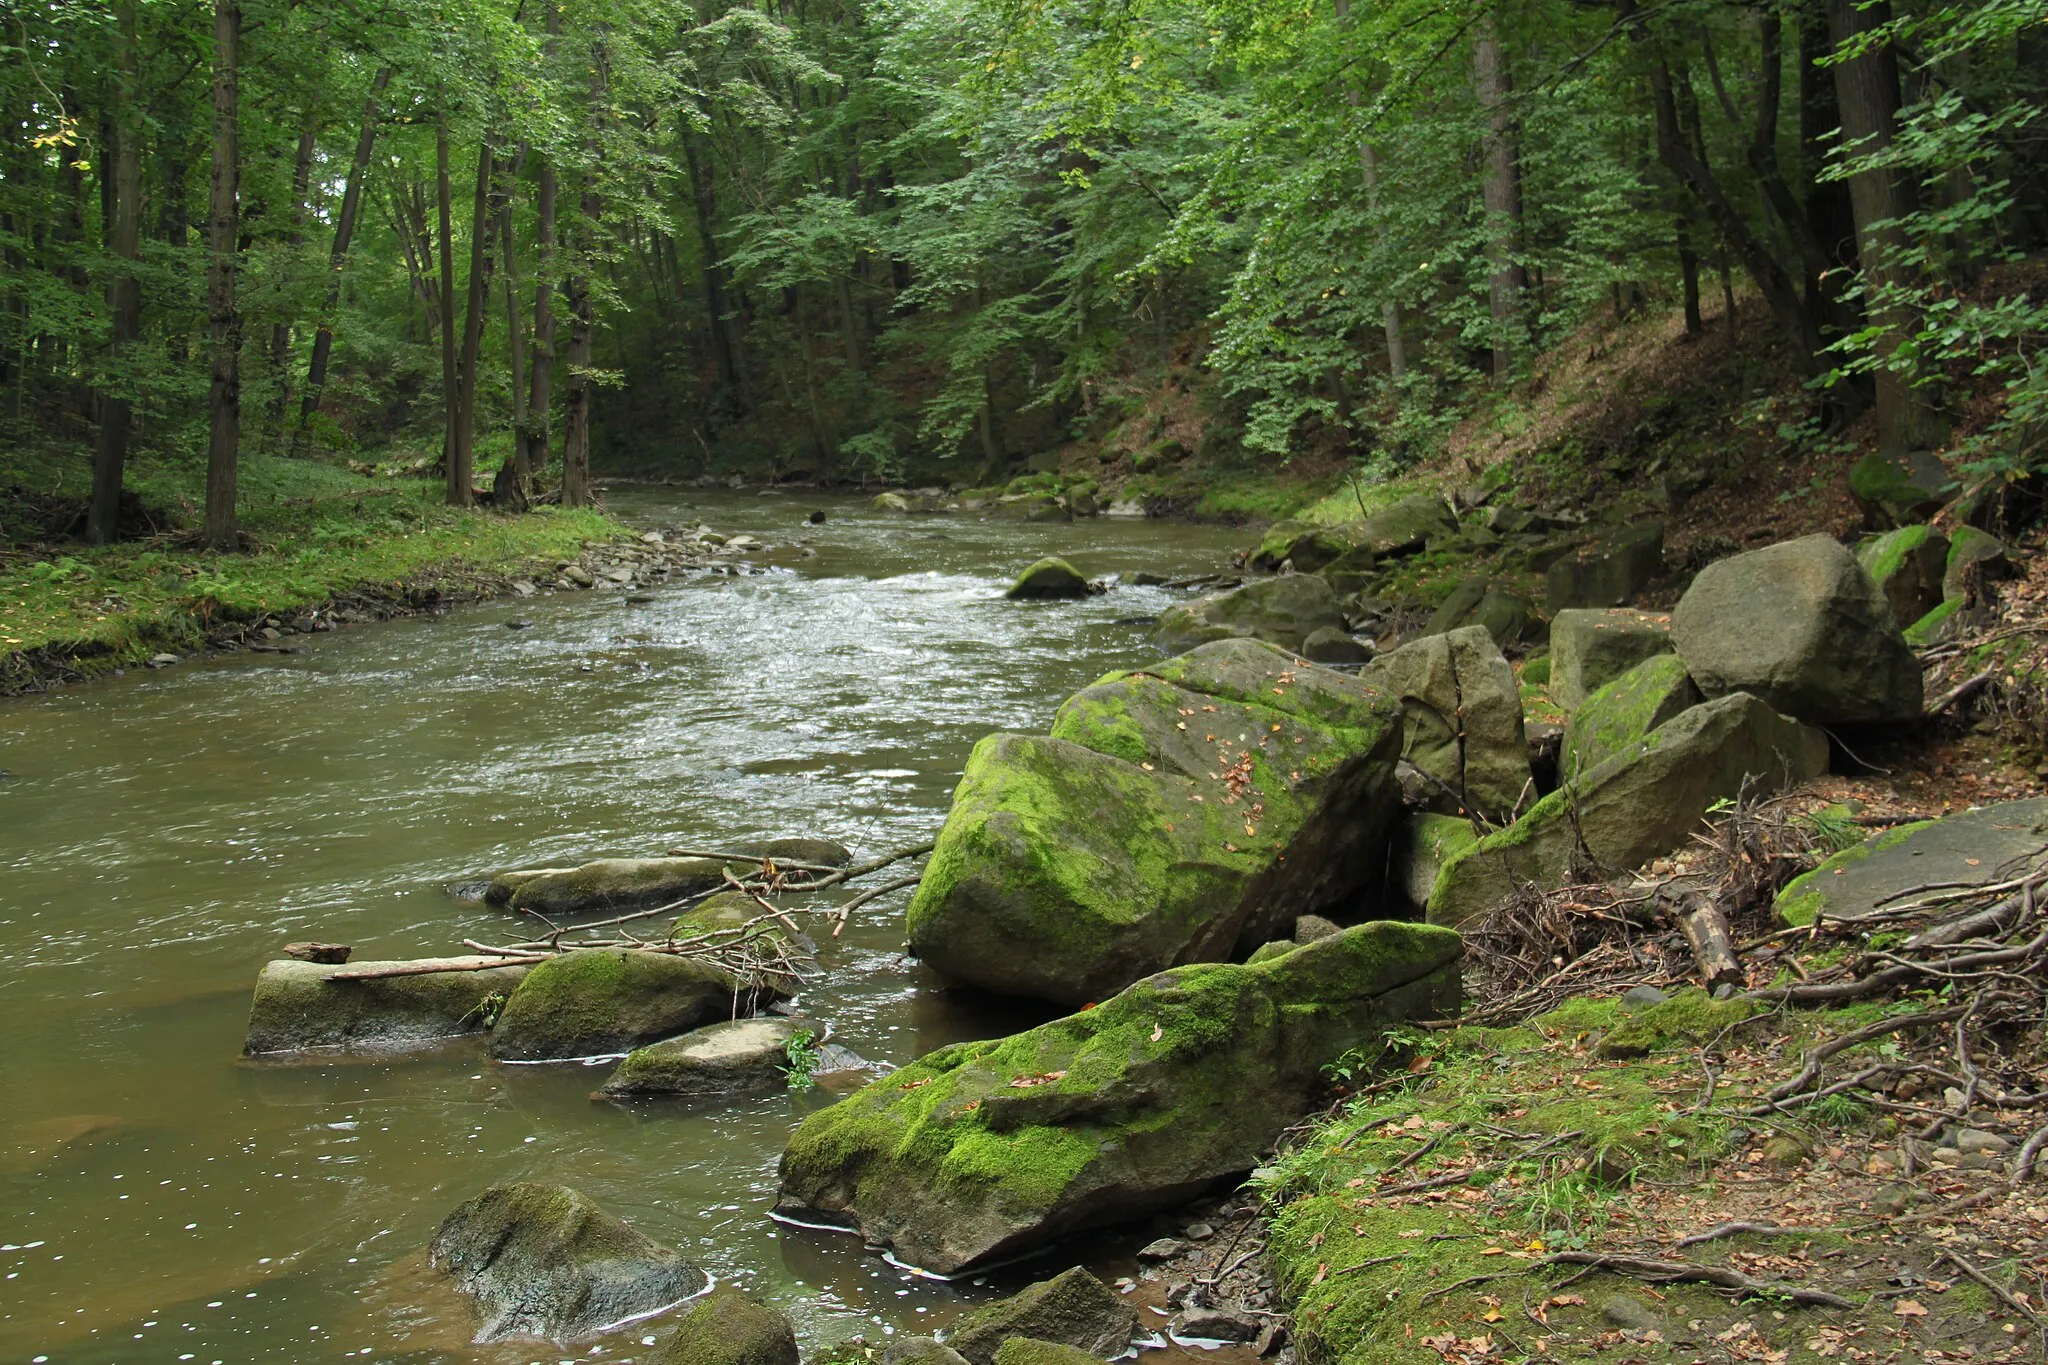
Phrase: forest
(934, 238)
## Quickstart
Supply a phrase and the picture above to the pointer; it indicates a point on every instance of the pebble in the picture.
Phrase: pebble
(1629, 1314)
(1164, 1249)
(523, 588)
(164, 660)
(1215, 1324)
(578, 575)
(1642, 997)
(1196, 1232)
(519, 625)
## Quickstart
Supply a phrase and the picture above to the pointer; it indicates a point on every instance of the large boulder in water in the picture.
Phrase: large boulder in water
(1800, 625)
(1462, 714)
(1049, 579)
(734, 1057)
(1178, 814)
(980, 1151)
(1646, 800)
(603, 1001)
(301, 1005)
(728, 1328)
(1284, 611)
(544, 1261)
(1073, 1309)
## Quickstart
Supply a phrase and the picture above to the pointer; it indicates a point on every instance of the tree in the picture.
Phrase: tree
(224, 399)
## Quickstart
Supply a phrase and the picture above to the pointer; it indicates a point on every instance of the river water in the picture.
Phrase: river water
(162, 834)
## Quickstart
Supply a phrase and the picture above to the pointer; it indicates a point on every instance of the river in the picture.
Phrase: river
(162, 834)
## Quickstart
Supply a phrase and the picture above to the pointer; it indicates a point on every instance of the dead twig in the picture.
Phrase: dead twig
(1691, 1272)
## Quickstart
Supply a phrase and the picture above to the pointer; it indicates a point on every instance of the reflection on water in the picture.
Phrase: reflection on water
(161, 1199)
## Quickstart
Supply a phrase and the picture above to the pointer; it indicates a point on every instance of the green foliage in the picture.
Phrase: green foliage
(802, 1054)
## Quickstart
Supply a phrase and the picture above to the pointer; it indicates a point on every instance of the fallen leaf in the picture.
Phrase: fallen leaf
(1908, 1308)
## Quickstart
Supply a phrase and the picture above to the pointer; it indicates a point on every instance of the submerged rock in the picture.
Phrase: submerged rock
(1074, 1310)
(981, 1150)
(734, 1057)
(1284, 611)
(544, 1261)
(1800, 625)
(296, 1007)
(1644, 801)
(1049, 578)
(729, 1328)
(597, 1001)
(1463, 717)
(1988, 844)
(1592, 647)
(1182, 813)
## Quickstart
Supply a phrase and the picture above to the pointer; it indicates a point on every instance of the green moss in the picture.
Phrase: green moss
(1882, 556)
(1805, 896)
(1621, 712)
(1923, 631)
(1537, 671)
(1028, 1351)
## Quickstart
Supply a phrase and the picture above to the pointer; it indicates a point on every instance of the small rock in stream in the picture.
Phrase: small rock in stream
(333, 954)
(519, 625)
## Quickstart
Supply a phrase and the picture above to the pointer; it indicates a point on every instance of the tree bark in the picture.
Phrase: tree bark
(337, 257)
(1390, 312)
(1867, 89)
(536, 435)
(1689, 278)
(513, 487)
(462, 453)
(281, 330)
(224, 396)
(1503, 196)
(451, 377)
(124, 290)
(576, 402)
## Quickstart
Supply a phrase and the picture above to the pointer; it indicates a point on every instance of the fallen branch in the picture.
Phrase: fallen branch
(1968, 687)
(1720, 1230)
(1817, 1057)
(433, 966)
(1691, 1272)
(839, 919)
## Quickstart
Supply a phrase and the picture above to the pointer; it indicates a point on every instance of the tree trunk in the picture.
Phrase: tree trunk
(1689, 279)
(462, 452)
(536, 435)
(1503, 196)
(224, 395)
(1390, 313)
(513, 486)
(337, 257)
(1867, 89)
(703, 195)
(451, 378)
(1780, 295)
(576, 402)
(281, 330)
(124, 290)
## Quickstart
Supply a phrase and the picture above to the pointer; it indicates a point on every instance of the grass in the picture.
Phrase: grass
(316, 532)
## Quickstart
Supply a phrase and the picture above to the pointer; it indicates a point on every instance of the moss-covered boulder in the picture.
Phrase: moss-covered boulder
(982, 1150)
(1353, 571)
(1403, 527)
(1307, 548)
(1902, 488)
(1462, 713)
(1030, 1351)
(1623, 711)
(1282, 611)
(1590, 647)
(1800, 625)
(544, 1261)
(1507, 616)
(596, 1002)
(1935, 625)
(1030, 507)
(730, 1058)
(1607, 571)
(1074, 1310)
(1906, 564)
(1991, 843)
(729, 1328)
(1182, 813)
(1971, 555)
(1642, 802)
(1050, 579)
(1422, 843)
(297, 1006)
(613, 885)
